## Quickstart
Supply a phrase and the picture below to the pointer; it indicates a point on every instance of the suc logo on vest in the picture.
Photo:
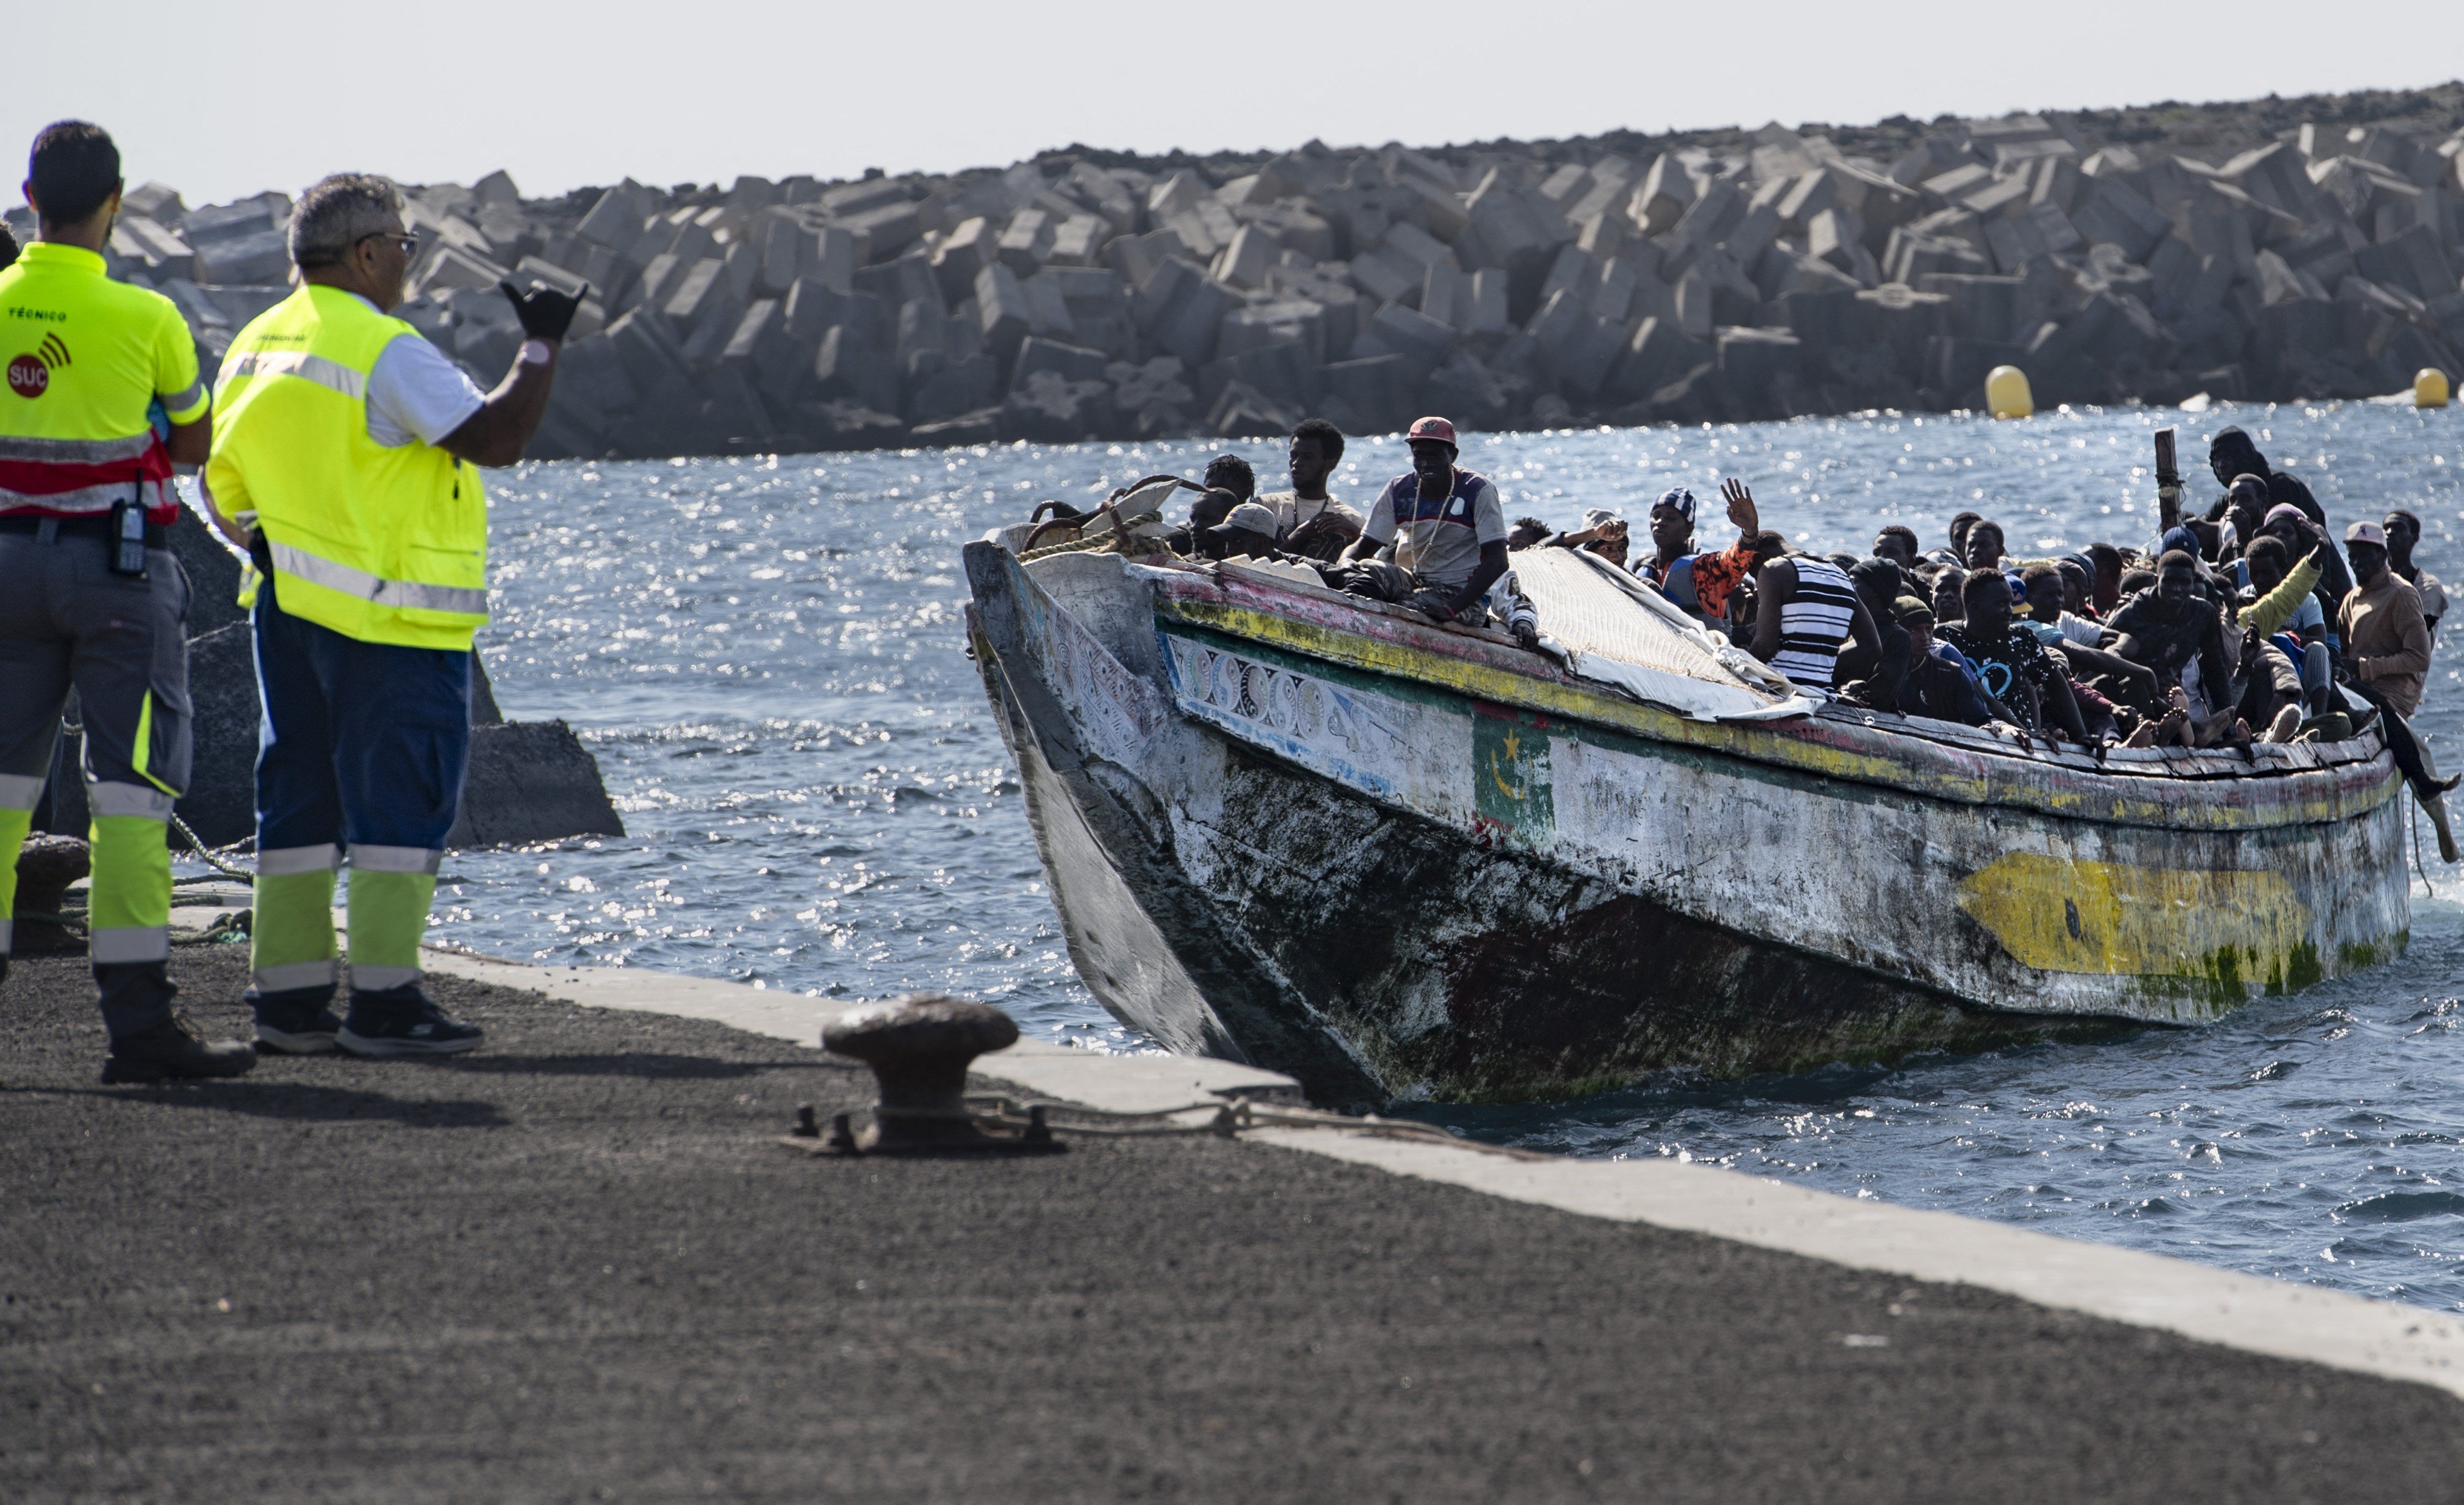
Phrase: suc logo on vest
(29, 375)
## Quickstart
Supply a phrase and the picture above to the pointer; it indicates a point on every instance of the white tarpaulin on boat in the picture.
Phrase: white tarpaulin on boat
(1616, 630)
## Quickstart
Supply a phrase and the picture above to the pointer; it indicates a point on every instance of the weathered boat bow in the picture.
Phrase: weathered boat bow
(1397, 860)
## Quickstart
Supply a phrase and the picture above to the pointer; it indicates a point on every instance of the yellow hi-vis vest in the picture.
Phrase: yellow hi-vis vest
(385, 545)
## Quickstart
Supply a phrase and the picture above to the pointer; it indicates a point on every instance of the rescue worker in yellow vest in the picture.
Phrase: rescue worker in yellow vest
(91, 597)
(344, 448)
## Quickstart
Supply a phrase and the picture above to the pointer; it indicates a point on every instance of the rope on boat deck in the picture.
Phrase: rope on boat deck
(1225, 1119)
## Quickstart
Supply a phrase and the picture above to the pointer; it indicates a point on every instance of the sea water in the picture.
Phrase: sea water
(768, 658)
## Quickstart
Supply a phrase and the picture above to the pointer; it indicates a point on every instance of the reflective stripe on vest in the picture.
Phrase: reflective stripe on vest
(382, 544)
(290, 560)
(297, 363)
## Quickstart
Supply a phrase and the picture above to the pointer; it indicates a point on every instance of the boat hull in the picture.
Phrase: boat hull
(1336, 856)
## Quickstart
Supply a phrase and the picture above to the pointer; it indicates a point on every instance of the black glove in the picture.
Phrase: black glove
(545, 312)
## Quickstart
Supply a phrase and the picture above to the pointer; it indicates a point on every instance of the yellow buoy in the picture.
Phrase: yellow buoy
(2006, 392)
(2430, 387)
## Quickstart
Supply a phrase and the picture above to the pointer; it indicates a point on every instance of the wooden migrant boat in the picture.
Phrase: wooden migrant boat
(1397, 861)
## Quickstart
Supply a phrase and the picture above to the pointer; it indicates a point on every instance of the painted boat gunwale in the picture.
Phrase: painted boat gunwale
(1832, 746)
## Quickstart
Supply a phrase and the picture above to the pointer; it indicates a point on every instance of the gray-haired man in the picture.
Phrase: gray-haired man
(343, 459)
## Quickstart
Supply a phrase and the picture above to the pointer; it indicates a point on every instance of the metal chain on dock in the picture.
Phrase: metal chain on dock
(206, 853)
(1224, 1120)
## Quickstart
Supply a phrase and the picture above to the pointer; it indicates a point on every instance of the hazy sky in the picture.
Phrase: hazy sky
(224, 100)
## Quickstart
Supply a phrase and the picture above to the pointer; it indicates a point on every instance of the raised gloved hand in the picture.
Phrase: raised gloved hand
(546, 312)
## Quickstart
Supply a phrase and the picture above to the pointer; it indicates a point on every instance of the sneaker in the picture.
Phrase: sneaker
(404, 1023)
(298, 1031)
(172, 1050)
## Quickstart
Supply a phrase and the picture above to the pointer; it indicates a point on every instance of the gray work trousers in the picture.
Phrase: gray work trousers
(67, 621)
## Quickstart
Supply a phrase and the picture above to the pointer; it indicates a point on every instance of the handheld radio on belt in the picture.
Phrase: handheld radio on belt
(128, 538)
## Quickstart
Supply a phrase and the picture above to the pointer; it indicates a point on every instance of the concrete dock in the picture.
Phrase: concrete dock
(577, 1266)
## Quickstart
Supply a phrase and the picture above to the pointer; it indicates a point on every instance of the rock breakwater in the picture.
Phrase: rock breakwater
(2273, 250)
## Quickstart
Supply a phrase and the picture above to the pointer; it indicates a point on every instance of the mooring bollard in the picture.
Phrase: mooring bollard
(919, 1047)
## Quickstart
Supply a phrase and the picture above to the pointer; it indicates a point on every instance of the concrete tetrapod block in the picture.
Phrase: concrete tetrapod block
(1297, 230)
(1386, 276)
(1447, 296)
(615, 217)
(1048, 310)
(531, 781)
(1096, 306)
(1284, 375)
(1654, 355)
(849, 367)
(1572, 269)
(1050, 409)
(1071, 362)
(1554, 326)
(1025, 243)
(885, 231)
(784, 249)
(1134, 257)
(922, 328)
(701, 287)
(1181, 309)
(1755, 362)
(1403, 332)
(1285, 320)
(1243, 262)
(1003, 310)
(264, 257)
(2414, 261)
(1242, 411)
(1079, 240)
(653, 366)
(1377, 390)
(2113, 211)
(902, 279)
(1586, 360)
(1980, 307)
(1488, 300)
(1666, 191)
(761, 346)
(1613, 295)
(1694, 312)
(942, 388)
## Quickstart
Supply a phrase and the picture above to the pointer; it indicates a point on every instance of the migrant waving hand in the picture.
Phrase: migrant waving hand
(1742, 511)
(546, 312)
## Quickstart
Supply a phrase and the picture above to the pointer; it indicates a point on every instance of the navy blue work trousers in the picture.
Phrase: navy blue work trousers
(362, 743)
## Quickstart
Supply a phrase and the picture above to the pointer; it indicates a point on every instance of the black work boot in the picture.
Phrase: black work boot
(171, 1051)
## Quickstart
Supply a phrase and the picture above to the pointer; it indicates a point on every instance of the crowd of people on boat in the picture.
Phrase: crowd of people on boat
(2241, 622)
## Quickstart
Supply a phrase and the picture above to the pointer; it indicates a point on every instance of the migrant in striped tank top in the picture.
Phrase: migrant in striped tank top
(1815, 623)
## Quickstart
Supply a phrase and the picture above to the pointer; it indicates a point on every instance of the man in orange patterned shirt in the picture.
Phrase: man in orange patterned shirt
(1702, 584)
